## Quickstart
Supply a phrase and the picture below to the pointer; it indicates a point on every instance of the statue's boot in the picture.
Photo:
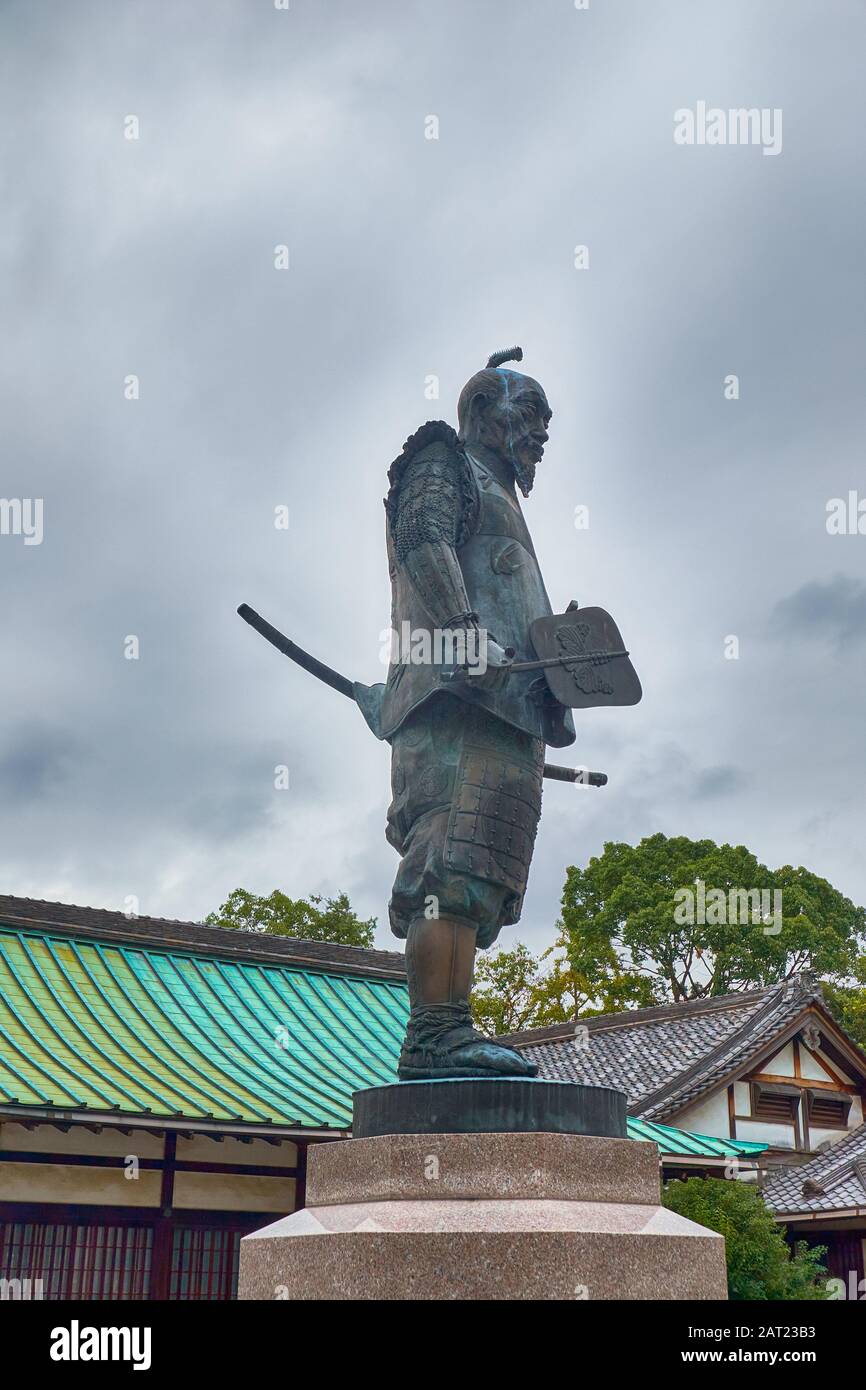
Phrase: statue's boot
(441, 1041)
(440, 1038)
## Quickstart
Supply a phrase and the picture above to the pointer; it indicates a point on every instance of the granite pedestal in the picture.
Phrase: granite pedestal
(531, 1213)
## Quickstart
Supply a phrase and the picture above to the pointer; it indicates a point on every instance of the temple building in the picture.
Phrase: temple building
(768, 1065)
(824, 1203)
(161, 1082)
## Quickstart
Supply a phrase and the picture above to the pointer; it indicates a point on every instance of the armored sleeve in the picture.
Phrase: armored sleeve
(427, 525)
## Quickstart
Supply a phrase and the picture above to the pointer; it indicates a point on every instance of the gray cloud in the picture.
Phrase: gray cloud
(832, 609)
(34, 759)
(718, 781)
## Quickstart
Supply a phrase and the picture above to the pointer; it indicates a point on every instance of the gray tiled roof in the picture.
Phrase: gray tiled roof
(665, 1058)
(834, 1180)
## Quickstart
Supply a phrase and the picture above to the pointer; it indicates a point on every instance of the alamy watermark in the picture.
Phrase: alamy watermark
(854, 1289)
(846, 516)
(21, 1290)
(738, 907)
(77, 1343)
(421, 646)
(711, 125)
(22, 516)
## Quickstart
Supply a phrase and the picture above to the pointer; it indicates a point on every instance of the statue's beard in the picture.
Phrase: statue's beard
(524, 475)
(509, 459)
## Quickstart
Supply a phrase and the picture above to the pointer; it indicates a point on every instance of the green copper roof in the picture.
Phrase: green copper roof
(682, 1141)
(96, 1025)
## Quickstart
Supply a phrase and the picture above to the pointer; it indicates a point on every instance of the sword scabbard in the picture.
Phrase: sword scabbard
(295, 653)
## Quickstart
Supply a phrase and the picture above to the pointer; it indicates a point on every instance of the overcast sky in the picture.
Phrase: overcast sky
(411, 257)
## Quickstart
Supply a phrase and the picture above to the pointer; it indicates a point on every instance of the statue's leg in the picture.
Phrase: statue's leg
(440, 961)
(440, 1038)
(450, 896)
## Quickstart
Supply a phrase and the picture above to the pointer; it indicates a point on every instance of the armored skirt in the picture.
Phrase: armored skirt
(466, 790)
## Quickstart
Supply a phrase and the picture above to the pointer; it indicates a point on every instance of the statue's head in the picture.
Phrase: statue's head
(508, 413)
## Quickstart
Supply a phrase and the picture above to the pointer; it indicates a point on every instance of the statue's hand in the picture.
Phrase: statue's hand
(487, 666)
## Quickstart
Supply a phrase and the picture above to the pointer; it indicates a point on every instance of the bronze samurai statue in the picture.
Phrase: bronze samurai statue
(468, 735)
(467, 761)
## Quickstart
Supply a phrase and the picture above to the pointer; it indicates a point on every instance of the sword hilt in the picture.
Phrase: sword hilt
(580, 775)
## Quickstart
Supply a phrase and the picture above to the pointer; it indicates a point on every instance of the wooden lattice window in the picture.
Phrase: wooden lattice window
(828, 1109)
(126, 1259)
(76, 1260)
(204, 1264)
(776, 1104)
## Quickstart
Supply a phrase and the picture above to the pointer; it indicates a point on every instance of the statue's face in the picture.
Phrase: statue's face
(514, 423)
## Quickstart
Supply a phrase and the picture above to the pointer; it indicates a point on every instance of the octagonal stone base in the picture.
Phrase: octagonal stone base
(483, 1216)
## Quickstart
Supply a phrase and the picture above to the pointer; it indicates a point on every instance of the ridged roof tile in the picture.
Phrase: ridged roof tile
(667, 1057)
(834, 1180)
(99, 1025)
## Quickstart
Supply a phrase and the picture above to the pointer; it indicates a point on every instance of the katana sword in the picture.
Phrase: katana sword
(326, 674)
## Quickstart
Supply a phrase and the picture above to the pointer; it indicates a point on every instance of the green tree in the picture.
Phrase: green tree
(279, 915)
(623, 919)
(516, 990)
(509, 994)
(848, 1002)
(761, 1265)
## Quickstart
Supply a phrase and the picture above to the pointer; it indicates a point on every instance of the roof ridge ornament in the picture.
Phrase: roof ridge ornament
(844, 1168)
(803, 982)
(810, 1188)
(808, 981)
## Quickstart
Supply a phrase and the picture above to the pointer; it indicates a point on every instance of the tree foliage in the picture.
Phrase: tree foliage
(761, 1265)
(622, 922)
(516, 990)
(848, 1002)
(279, 915)
(512, 992)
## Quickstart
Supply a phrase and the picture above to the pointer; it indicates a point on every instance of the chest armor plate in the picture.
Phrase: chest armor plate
(505, 588)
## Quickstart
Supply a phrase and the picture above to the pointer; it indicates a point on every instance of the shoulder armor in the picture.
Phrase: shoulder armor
(437, 441)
